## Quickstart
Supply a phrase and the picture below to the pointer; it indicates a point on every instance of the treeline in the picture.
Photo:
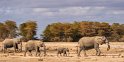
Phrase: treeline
(26, 30)
(65, 32)
(71, 32)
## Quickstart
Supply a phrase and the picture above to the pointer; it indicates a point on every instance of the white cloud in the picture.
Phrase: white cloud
(74, 11)
(41, 10)
(118, 12)
(115, 12)
(62, 12)
(79, 11)
(60, 3)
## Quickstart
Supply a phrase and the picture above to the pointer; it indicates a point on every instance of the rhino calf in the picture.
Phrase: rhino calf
(62, 51)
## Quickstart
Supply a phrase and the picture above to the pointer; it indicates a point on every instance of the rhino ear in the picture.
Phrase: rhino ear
(18, 39)
(103, 37)
(98, 40)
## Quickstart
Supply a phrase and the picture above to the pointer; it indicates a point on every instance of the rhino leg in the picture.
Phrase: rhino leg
(98, 52)
(4, 50)
(14, 51)
(84, 52)
(30, 52)
(15, 47)
(64, 53)
(37, 51)
(79, 51)
(25, 52)
(58, 53)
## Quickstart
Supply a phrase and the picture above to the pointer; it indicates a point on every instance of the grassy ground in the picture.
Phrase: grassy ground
(115, 54)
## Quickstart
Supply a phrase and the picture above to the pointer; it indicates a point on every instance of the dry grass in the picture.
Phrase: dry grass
(116, 54)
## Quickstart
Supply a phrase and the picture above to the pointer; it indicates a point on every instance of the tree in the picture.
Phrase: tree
(3, 31)
(28, 29)
(12, 28)
(117, 31)
(74, 31)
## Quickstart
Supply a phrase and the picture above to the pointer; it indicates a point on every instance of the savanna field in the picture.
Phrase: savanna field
(67, 33)
(62, 30)
(115, 54)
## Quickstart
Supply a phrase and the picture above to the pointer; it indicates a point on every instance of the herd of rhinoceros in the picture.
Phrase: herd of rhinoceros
(84, 43)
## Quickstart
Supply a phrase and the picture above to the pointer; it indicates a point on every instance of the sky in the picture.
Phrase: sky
(45, 12)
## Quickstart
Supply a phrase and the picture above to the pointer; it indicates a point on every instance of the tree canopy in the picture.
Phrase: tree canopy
(74, 31)
(28, 29)
(65, 32)
(8, 29)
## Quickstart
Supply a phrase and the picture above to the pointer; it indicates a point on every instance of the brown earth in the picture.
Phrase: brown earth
(115, 54)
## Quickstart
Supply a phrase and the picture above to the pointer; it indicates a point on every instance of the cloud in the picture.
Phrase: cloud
(62, 12)
(60, 3)
(49, 11)
(60, 8)
(119, 12)
(55, 12)
(40, 10)
(87, 11)
(73, 11)
(68, 11)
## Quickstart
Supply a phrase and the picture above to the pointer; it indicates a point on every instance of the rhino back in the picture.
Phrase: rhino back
(86, 41)
(60, 49)
(8, 43)
(31, 44)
